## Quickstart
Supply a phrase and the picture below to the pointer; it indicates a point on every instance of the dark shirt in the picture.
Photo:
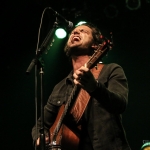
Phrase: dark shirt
(101, 122)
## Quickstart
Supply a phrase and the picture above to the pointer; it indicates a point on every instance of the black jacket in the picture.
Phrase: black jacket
(101, 122)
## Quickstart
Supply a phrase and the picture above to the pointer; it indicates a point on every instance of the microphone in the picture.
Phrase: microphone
(67, 23)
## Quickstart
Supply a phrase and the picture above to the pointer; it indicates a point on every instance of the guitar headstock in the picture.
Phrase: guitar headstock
(101, 51)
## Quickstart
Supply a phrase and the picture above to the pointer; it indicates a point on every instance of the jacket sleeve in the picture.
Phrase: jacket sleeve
(112, 89)
(50, 112)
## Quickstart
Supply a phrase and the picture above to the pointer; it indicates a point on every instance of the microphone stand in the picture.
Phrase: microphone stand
(36, 62)
(44, 46)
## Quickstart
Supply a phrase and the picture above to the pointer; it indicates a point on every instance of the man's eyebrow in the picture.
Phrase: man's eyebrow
(81, 29)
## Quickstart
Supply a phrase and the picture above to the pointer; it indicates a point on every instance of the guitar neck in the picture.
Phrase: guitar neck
(66, 107)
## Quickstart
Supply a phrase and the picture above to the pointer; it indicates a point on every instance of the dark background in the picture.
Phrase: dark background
(18, 38)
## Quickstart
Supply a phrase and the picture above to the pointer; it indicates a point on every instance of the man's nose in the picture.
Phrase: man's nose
(76, 31)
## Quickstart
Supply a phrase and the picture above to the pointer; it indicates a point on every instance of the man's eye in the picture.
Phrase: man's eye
(84, 31)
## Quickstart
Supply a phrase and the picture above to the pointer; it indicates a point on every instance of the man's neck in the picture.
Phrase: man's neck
(78, 61)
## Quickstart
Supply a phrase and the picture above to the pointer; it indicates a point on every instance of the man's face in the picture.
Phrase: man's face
(80, 40)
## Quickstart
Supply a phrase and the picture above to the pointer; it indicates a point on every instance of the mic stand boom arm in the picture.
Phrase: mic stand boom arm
(44, 46)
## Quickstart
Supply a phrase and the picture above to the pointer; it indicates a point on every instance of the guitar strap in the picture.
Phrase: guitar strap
(84, 97)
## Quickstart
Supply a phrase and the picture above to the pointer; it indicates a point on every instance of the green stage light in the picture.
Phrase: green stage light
(81, 22)
(60, 33)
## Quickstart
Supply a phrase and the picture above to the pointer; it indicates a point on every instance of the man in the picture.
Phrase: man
(100, 125)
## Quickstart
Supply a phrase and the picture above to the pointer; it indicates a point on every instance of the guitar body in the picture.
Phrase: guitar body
(66, 138)
(70, 139)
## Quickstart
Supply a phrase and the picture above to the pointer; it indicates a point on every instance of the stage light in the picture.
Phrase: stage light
(111, 11)
(133, 4)
(60, 33)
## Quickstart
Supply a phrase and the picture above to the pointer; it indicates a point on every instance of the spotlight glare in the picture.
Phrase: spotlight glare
(80, 23)
(60, 33)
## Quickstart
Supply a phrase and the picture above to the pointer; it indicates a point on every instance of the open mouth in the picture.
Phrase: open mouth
(75, 38)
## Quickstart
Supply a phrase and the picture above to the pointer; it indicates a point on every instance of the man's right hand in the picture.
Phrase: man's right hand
(38, 142)
(46, 140)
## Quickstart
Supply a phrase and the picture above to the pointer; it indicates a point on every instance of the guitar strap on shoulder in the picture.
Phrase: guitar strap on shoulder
(84, 97)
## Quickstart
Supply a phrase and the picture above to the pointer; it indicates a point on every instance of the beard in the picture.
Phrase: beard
(78, 50)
